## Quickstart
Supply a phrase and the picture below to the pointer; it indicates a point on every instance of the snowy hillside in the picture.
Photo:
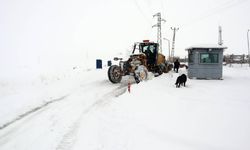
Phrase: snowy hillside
(85, 111)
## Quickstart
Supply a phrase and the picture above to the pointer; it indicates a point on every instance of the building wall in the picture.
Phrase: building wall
(198, 69)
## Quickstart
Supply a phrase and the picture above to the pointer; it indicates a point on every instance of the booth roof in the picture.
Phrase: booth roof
(205, 46)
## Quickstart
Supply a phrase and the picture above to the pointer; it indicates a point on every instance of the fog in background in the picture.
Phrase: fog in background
(52, 35)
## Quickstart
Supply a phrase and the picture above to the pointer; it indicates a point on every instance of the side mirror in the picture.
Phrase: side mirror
(116, 58)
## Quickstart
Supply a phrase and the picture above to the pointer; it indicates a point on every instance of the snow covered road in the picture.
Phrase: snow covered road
(98, 115)
(53, 124)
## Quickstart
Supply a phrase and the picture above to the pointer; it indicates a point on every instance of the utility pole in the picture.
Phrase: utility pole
(158, 25)
(173, 42)
(168, 48)
(220, 41)
(248, 47)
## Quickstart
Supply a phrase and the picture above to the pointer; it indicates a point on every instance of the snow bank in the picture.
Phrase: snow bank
(207, 114)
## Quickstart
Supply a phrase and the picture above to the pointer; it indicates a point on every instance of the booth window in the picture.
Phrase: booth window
(209, 58)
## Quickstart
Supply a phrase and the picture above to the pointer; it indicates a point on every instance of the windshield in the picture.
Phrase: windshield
(148, 48)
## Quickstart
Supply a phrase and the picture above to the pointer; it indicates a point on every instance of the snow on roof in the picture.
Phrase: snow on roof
(207, 46)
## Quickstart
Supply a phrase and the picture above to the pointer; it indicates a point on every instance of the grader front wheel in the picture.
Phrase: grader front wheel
(114, 74)
(141, 73)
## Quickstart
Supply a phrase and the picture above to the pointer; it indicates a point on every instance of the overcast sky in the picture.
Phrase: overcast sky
(49, 33)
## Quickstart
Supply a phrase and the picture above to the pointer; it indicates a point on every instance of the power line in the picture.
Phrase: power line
(149, 21)
(140, 10)
(163, 8)
(216, 10)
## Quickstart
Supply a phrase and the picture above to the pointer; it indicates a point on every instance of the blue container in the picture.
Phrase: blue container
(98, 64)
(109, 63)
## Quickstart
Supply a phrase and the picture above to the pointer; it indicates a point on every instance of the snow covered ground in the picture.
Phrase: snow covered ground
(82, 110)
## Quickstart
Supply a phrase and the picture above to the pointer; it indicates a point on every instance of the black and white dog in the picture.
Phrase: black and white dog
(181, 80)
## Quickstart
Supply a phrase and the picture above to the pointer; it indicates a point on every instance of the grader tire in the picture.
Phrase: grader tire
(114, 74)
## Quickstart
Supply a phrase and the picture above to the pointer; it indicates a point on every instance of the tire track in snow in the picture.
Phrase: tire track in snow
(31, 111)
(69, 138)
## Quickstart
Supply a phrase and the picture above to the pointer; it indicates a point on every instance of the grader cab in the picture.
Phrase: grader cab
(145, 58)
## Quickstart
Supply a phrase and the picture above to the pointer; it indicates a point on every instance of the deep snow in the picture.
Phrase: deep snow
(95, 114)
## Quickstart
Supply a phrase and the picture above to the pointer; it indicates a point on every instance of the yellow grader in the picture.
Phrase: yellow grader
(145, 58)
